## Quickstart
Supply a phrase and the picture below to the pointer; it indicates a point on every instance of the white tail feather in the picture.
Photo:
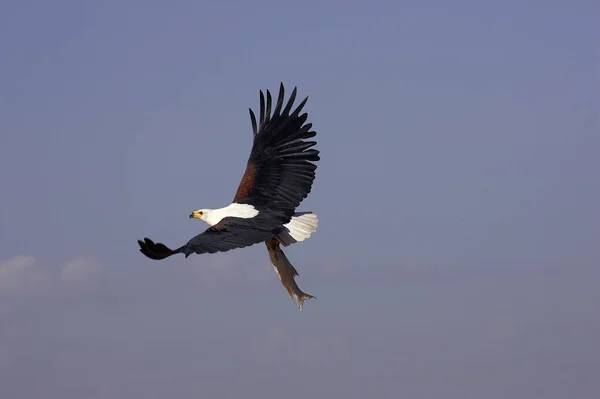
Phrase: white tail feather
(302, 225)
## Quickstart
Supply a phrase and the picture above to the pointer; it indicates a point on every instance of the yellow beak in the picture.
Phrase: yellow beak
(195, 215)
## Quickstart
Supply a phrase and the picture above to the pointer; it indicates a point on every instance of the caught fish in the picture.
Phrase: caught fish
(286, 272)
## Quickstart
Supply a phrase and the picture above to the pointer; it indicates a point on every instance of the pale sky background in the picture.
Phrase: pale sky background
(457, 253)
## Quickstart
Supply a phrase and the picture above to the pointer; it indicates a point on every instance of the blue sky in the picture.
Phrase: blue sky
(457, 196)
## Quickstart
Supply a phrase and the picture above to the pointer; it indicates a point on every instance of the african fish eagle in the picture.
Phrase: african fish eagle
(279, 175)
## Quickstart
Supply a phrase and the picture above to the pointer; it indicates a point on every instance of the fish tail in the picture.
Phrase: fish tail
(300, 297)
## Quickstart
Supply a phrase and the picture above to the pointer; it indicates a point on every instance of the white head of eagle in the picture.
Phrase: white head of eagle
(201, 214)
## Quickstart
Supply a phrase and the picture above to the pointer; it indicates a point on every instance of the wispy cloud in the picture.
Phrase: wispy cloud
(20, 274)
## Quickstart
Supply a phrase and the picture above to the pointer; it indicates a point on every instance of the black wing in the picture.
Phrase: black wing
(279, 173)
(228, 234)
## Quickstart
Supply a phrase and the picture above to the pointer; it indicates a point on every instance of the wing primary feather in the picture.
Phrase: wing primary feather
(299, 108)
(288, 107)
(295, 148)
(262, 109)
(268, 112)
(253, 120)
(302, 118)
(308, 155)
(279, 101)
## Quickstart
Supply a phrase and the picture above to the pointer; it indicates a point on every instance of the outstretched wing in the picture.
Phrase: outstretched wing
(280, 169)
(228, 234)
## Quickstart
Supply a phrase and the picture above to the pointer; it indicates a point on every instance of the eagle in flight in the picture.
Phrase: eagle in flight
(279, 175)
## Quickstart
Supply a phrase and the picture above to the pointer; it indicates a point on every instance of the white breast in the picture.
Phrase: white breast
(245, 211)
